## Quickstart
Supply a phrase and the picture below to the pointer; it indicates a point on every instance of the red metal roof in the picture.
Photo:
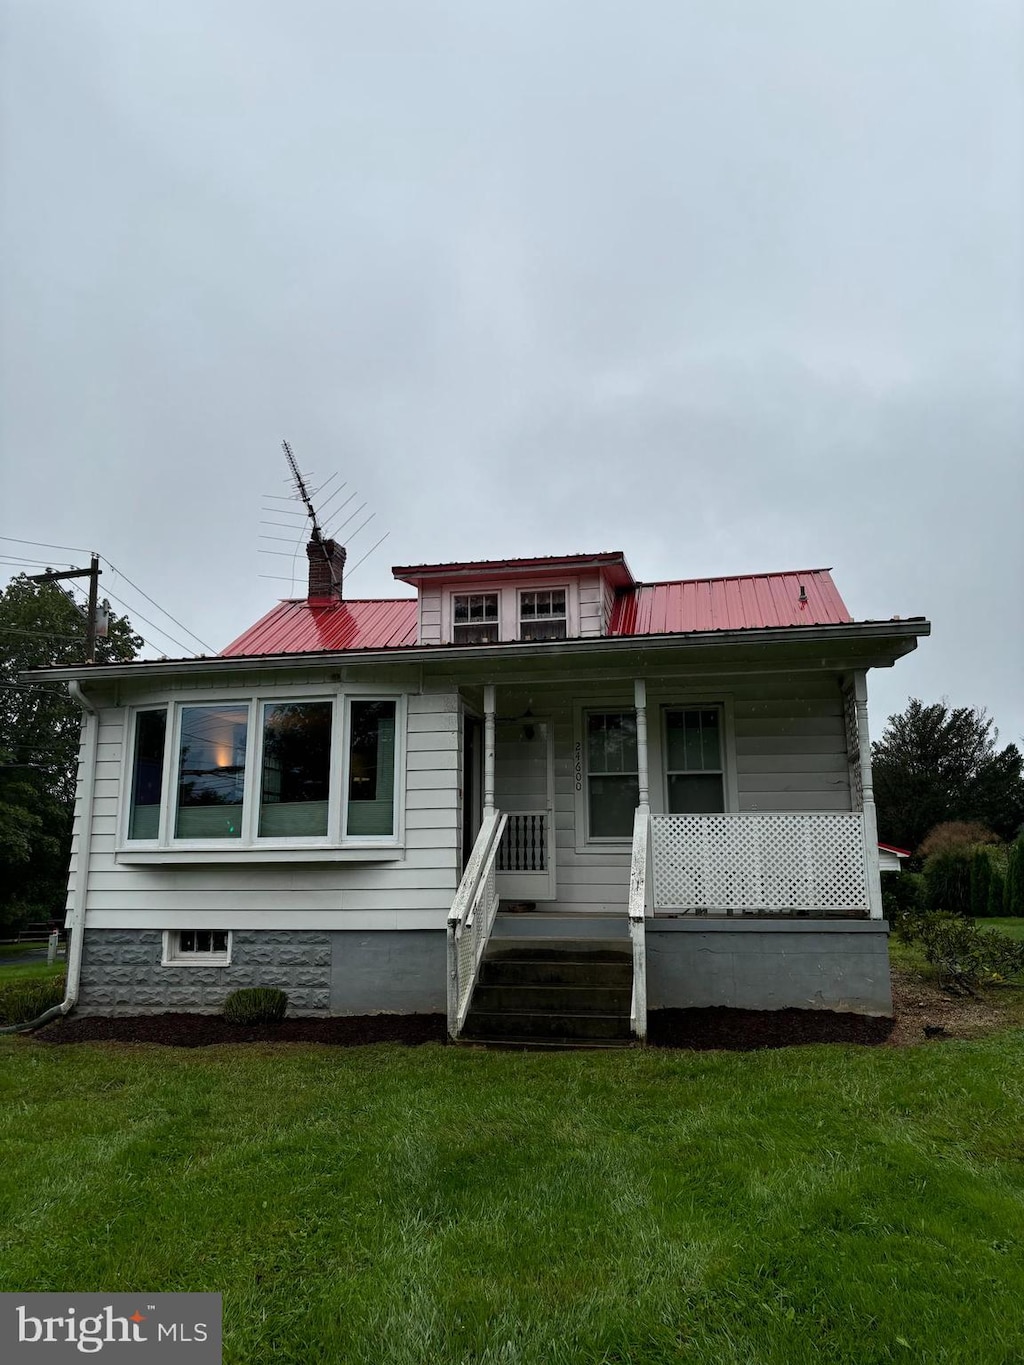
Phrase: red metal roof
(900, 852)
(744, 602)
(302, 626)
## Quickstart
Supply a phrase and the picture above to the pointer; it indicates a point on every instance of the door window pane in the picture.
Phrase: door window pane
(371, 768)
(147, 775)
(296, 769)
(211, 772)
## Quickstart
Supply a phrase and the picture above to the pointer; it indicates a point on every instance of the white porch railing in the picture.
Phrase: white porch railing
(471, 919)
(640, 906)
(760, 864)
(524, 845)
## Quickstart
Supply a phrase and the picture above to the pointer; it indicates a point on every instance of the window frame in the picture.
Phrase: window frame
(497, 620)
(172, 956)
(548, 588)
(250, 843)
(722, 771)
(586, 842)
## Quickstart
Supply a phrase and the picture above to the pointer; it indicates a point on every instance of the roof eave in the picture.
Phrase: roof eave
(902, 637)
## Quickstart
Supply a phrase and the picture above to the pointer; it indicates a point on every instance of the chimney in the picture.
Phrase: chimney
(326, 568)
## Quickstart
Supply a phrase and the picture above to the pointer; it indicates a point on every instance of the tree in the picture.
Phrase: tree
(40, 625)
(934, 763)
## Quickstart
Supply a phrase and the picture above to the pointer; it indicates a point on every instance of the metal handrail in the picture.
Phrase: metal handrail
(471, 919)
(640, 906)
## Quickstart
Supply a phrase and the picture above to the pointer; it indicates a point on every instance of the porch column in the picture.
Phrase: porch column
(488, 749)
(860, 694)
(640, 701)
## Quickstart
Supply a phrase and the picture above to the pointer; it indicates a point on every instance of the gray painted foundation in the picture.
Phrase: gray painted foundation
(385, 972)
(746, 964)
(769, 965)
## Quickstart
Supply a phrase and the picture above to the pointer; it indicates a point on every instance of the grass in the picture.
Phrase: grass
(449, 1206)
(31, 971)
(1013, 927)
(20, 949)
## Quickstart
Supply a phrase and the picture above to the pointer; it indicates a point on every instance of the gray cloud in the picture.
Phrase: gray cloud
(726, 286)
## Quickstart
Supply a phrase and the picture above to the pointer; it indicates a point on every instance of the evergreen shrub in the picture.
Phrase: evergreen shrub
(256, 1005)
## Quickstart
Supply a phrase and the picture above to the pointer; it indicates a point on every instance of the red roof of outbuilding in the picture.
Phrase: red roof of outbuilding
(304, 626)
(744, 602)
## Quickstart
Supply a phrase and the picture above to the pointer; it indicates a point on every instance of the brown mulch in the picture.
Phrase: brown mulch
(923, 1012)
(203, 1030)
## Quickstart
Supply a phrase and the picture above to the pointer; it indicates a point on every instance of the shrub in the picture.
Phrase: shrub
(997, 894)
(1013, 896)
(956, 836)
(948, 881)
(981, 880)
(903, 898)
(21, 1001)
(255, 1005)
(967, 956)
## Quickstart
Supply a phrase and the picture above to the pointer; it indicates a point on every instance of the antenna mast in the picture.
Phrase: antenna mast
(303, 491)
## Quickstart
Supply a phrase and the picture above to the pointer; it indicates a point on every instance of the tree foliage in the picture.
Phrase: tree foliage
(936, 763)
(41, 625)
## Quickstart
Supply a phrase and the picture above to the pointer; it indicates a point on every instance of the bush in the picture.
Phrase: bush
(981, 881)
(996, 894)
(948, 880)
(255, 1005)
(965, 955)
(21, 1001)
(956, 836)
(903, 898)
(1013, 896)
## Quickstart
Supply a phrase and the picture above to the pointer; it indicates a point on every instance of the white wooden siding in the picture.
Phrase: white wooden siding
(413, 892)
(591, 605)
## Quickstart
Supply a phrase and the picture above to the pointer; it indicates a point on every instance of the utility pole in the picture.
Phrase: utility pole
(92, 573)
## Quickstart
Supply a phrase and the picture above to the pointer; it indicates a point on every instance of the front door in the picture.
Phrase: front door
(524, 790)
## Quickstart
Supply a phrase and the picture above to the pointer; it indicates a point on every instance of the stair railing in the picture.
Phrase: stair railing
(640, 906)
(471, 919)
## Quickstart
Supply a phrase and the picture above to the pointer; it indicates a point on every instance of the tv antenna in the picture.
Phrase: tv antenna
(318, 516)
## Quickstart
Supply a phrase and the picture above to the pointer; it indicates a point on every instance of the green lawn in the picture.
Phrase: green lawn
(1013, 927)
(31, 971)
(403, 1206)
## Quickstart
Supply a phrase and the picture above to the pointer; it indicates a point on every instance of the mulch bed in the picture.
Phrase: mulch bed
(203, 1030)
(923, 1012)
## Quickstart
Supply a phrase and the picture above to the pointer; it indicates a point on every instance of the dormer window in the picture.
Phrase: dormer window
(542, 614)
(475, 618)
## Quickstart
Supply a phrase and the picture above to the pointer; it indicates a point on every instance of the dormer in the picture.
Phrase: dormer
(555, 597)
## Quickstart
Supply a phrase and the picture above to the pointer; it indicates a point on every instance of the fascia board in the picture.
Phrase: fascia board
(901, 635)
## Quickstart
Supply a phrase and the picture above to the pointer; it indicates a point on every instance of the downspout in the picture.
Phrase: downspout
(77, 918)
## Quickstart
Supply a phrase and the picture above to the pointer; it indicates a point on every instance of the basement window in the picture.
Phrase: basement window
(475, 618)
(197, 948)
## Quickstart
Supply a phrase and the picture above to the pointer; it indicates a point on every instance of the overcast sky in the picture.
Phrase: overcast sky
(728, 286)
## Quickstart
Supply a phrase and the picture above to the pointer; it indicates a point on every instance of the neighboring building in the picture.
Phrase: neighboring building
(300, 810)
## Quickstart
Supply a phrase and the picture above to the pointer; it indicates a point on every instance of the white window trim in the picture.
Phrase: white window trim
(250, 843)
(657, 703)
(173, 957)
(547, 587)
(508, 604)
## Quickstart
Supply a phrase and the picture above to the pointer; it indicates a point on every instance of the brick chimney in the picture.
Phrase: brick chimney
(326, 568)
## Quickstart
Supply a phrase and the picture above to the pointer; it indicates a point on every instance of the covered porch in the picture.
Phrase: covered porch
(551, 782)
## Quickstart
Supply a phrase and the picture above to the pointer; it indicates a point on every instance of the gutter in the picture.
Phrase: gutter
(910, 628)
(76, 920)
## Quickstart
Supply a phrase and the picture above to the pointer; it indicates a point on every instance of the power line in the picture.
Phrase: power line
(40, 635)
(148, 643)
(45, 545)
(149, 599)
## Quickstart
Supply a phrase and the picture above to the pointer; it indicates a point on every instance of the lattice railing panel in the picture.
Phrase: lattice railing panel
(759, 863)
(524, 845)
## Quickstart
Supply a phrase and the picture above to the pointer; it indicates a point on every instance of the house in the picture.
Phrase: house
(375, 804)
